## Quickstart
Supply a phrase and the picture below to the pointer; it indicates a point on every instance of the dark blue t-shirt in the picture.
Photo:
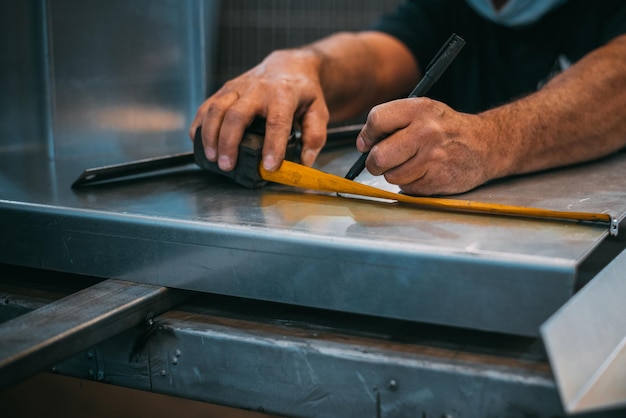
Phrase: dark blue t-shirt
(500, 63)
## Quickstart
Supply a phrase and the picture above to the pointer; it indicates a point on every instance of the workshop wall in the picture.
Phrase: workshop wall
(250, 29)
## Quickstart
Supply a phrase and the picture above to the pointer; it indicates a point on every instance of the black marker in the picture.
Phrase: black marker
(434, 70)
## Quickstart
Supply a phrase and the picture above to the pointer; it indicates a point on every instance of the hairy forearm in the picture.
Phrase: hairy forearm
(578, 116)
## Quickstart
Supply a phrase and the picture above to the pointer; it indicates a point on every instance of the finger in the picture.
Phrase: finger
(236, 119)
(412, 170)
(197, 120)
(314, 127)
(428, 173)
(392, 153)
(278, 126)
(381, 122)
(433, 181)
(211, 121)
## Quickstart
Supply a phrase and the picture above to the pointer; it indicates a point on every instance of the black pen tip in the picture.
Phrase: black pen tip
(357, 167)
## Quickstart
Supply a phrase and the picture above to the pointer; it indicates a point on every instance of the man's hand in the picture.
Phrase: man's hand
(283, 88)
(427, 148)
(333, 79)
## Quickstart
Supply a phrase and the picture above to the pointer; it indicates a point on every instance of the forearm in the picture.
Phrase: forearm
(578, 116)
(359, 70)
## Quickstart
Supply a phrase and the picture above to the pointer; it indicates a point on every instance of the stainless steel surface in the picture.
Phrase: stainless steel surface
(72, 69)
(195, 230)
(24, 117)
(586, 342)
(306, 362)
(120, 82)
(93, 84)
(37, 340)
(298, 362)
(293, 370)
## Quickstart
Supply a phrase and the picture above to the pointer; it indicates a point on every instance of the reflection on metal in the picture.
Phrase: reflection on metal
(39, 339)
(87, 72)
(133, 118)
(586, 342)
(196, 230)
(294, 174)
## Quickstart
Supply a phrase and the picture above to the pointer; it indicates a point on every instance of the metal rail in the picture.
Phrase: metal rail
(37, 340)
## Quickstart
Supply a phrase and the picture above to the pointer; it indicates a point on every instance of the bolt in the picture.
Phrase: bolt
(100, 375)
(89, 355)
(175, 361)
(90, 373)
(177, 353)
(163, 372)
(393, 384)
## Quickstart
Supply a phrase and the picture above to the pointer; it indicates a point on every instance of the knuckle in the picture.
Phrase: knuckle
(314, 139)
(374, 116)
(235, 116)
(377, 159)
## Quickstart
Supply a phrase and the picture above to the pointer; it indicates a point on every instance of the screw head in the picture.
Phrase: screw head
(392, 384)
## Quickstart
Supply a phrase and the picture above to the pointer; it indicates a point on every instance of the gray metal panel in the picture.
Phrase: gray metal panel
(23, 104)
(111, 70)
(586, 341)
(126, 70)
(318, 374)
(199, 231)
(311, 363)
(303, 363)
(345, 275)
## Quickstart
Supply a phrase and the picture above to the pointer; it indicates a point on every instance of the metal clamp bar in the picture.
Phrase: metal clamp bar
(39, 339)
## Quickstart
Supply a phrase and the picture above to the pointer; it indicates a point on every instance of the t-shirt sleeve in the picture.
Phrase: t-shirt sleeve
(423, 25)
(616, 20)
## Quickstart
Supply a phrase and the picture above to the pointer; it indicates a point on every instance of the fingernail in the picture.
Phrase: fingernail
(309, 156)
(269, 161)
(224, 163)
(209, 152)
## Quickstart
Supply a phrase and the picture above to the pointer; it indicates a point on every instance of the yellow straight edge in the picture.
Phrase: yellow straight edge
(292, 174)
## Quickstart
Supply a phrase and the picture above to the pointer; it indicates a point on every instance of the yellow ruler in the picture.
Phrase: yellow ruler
(297, 175)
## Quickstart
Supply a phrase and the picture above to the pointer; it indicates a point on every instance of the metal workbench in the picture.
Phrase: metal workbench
(193, 230)
(288, 301)
(311, 304)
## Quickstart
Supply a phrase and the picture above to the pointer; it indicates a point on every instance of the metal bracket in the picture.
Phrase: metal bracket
(586, 342)
(614, 228)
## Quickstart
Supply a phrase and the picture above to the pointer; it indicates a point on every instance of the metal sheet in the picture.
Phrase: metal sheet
(586, 342)
(112, 71)
(199, 231)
